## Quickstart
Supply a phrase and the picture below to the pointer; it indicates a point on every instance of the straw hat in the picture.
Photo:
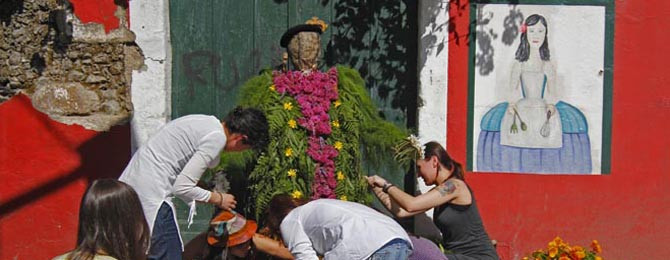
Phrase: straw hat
(232, 225)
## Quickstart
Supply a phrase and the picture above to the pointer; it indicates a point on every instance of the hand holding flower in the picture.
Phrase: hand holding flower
(376, 181)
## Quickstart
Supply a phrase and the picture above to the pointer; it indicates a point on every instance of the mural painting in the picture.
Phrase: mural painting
(539, 89)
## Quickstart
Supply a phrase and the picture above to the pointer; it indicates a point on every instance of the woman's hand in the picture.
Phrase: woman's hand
(223, 200)
(376, 181)
(228, 201)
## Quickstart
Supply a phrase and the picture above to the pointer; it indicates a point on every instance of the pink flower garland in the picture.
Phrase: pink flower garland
(314, 91)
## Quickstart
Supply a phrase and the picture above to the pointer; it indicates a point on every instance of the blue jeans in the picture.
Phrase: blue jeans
(165, 242)
(396, 249)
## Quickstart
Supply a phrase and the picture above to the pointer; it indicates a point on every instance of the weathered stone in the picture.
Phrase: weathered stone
(76, 76)
(67, 64)
(65, 98)
(87, 84)
(14, 58)
(73, 54)
(116, 68)
(112, 107)
(95, 79)
(40, 30)
(101, 58)
(30, 75)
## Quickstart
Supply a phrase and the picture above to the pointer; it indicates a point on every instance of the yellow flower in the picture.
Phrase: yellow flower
(338, 145)
(296, 194)
(292, 123)
(340, 176)
(288, 106)
(553, 252)
(336, 123)
(292, 172)
(288, 152)
(272, 87)
(598, 258)
(337, 103)
(525, 258)
(343, 197)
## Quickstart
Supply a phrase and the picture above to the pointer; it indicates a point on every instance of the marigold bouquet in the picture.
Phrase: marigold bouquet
(557, 249)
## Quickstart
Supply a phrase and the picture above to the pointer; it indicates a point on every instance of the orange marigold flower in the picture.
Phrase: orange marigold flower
(553, 252)
(598, 258)
(577, 252)
(564, 258)
(525, 258)
(558, 240)
(551, 245)
(595, 246)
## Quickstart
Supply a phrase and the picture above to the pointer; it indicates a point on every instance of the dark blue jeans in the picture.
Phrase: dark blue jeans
(396, 249)
(165, 242)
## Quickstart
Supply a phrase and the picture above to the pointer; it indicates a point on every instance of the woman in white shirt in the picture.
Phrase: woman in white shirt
(173, 160)
(336, 229)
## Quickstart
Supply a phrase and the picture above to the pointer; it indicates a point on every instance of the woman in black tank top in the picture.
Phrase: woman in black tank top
(456, 213)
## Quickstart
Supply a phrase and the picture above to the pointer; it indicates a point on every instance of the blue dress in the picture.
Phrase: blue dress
(573, 155)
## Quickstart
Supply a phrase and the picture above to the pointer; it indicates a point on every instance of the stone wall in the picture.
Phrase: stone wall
(76, 73)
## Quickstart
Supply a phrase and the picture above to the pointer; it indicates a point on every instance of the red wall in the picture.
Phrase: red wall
(45, 167)
(627, 210)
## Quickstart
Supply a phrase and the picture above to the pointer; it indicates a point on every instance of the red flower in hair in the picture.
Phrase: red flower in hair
(524, 28)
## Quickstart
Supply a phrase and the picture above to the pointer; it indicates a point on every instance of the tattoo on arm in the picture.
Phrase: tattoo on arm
(447, 187)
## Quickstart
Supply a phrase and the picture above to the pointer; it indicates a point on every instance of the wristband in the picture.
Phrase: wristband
(387, 186)
(220, 201)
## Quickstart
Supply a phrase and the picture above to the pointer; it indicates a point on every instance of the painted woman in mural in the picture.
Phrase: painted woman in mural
(531, 134)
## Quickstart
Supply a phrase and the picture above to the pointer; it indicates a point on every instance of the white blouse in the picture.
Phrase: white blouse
(338, 229)
(172, 161)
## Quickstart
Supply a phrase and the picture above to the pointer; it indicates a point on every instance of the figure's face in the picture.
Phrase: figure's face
(536, 34)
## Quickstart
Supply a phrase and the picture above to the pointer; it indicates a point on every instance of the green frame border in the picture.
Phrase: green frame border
(607, 80)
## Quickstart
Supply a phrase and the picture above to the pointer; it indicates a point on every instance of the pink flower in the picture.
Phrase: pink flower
(314, 92)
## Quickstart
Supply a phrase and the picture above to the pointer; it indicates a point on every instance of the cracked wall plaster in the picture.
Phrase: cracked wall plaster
(74, 72)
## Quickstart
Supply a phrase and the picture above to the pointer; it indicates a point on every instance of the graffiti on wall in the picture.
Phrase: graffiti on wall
(539, 89)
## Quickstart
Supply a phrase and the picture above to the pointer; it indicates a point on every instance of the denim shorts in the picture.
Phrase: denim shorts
(396, 249)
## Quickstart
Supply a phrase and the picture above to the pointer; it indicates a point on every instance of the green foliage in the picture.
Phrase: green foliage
(355, 124)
